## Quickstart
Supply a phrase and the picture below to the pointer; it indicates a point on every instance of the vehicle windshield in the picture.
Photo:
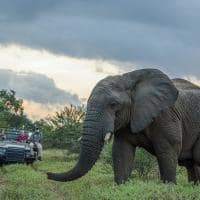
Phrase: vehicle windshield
(11, 134)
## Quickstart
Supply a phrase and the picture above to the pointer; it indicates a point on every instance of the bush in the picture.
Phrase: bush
(106, 155)
(145, 164)
(63, 129)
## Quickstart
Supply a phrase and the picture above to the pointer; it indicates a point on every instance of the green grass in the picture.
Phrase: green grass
(18, 182)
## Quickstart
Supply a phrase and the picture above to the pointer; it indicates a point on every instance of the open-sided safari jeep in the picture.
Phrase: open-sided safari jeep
(12, 151)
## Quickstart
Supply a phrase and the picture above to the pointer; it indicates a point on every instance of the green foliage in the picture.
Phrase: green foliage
(8, 102)
(145, 164)
(11, 111)
(63, 129)
(20, 182)
(106, 154)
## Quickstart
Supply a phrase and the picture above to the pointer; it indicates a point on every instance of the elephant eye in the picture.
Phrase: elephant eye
(113, 105)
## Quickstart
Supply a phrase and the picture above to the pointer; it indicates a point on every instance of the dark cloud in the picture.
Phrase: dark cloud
(153, 33)
(36, 87)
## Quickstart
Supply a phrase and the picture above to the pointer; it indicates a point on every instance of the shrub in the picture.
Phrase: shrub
(63, 129)
(144, 163)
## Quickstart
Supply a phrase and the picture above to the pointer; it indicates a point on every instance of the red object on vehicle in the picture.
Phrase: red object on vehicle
(22, 137)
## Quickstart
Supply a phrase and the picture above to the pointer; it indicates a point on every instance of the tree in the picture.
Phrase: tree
(12, 111)
(63, 129)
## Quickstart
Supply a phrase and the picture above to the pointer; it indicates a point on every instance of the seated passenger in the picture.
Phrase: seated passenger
(22, 137)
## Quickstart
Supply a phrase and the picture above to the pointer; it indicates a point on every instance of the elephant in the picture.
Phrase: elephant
(142, 108)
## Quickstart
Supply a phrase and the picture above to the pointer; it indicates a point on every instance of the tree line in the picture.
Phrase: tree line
(61, 130)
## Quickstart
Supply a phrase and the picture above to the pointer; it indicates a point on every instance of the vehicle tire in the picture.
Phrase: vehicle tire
(29, 162)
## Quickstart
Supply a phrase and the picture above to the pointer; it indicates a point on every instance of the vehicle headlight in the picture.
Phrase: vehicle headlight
(28, 154)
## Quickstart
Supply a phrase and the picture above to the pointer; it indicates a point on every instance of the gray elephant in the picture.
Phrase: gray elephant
(143, 108)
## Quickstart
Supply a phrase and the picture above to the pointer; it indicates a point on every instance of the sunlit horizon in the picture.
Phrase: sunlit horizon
(76, 75)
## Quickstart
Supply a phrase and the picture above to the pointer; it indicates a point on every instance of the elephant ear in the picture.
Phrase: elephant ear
(153, 93)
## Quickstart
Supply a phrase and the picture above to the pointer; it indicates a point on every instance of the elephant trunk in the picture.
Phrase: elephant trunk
(91, 145)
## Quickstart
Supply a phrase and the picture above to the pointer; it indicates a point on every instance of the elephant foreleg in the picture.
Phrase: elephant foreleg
(167, 161)
(123, 155)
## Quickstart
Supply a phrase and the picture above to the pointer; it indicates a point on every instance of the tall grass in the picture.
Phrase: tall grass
(24, 182)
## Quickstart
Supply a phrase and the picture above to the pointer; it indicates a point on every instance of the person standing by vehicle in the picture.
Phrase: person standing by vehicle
(35, 139)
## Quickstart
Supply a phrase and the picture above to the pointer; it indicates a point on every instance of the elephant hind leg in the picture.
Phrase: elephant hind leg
(197, 173)
(194, 173)
(123, 155)
(196, 152)
(191, 174)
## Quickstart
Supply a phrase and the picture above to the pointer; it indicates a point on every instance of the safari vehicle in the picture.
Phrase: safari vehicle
(12, 151)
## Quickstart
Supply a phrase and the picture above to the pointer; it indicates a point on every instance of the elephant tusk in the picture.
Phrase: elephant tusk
(108, 136)
(79, 139)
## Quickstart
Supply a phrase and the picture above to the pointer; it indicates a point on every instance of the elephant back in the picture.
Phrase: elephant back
(182, 84)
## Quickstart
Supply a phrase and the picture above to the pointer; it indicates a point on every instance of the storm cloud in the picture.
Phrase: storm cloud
(36, 87)
(153, 33)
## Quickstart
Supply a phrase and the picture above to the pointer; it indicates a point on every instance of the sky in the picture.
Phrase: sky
(54, 52)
